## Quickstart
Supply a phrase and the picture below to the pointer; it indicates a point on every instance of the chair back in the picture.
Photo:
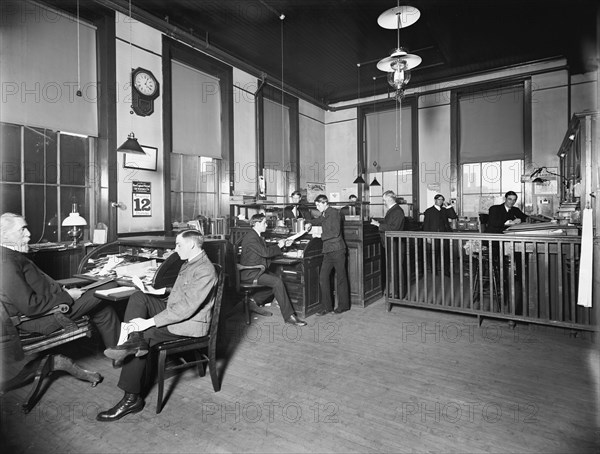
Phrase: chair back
(216, 311)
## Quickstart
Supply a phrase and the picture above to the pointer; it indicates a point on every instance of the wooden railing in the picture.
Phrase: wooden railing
(522, 278)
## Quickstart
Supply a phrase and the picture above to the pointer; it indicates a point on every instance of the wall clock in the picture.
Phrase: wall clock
(144, 90)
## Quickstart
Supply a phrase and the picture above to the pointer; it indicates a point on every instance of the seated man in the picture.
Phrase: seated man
(256, 252)
(503, 216)
(297, 210)
(27, 290)
(151, 320)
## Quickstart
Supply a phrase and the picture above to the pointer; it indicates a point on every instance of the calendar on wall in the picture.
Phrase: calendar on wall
(141, 192)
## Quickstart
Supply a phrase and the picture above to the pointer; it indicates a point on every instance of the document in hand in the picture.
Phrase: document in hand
(147, 288)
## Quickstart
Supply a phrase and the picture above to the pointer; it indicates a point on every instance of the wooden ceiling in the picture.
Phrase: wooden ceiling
(325, 40)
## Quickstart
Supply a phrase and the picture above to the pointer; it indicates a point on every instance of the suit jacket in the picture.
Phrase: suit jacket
(437, 220)
(498, 216)
(331, 222)
(25, 289)
(256, 252)
(393, 221)
(303, 212)
(189, 306)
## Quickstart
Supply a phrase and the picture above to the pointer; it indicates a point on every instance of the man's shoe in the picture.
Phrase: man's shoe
(294, 320)
(323, 312)
(135, 345)
(339, 311)
(130, 403)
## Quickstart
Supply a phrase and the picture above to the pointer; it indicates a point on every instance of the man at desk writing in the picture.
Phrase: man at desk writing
(27, 290)
(503, 216)
(151, 320)
(256, 252)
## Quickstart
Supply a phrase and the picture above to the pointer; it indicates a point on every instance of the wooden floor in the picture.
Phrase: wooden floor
(365, 381)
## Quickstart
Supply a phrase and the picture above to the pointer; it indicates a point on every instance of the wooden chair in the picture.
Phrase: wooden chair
(248, 288)
(204, 348)
(27, 354)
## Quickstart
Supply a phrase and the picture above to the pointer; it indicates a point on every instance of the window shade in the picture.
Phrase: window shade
(39, 70)
(277, 135)
(491, 125)
(196, 112)
(381, 140)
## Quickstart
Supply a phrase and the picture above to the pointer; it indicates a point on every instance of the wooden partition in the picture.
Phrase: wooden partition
(528, 278)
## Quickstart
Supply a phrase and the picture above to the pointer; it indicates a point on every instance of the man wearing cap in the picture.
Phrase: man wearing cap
(436, 216)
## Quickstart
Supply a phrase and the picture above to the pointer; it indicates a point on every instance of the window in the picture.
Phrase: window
(43, 173)
(484, 184)
(492, 148)
(194, 187)
(279, 142)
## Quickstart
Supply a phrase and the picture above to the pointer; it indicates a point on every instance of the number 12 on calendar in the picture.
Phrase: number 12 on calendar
(142, 198)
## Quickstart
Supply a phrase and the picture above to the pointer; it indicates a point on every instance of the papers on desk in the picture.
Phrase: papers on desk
(295, 236)
(113, 291)
(147, 288)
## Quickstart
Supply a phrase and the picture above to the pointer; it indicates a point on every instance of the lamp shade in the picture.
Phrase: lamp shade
(375, 182)
(73, 220)
(131, 145)
(359, 180)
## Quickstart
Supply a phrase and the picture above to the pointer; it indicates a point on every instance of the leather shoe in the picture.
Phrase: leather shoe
(135, 345)
(339, 311)
(294, 320)
(130, 403)
(323, 312)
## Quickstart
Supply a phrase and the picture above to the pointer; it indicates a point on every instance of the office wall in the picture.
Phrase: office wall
(244, 136)
(145, 53)
(341, 136)
(312, 143)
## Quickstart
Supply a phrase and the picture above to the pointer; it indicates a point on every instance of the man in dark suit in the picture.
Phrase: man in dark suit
(436, 220)
(334, 257)
(436, 216)
(297, 210)
(256, 252)
(27, 290)
(394, 216)
(503, 216)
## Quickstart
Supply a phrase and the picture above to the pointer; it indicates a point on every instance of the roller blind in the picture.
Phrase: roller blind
(38, 69)
(277, 135)
(491, 125)
(196, 112)
(381, 139)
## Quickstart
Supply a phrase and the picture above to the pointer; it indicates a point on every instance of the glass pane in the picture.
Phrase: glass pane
(73, 159)
(209, 204)
(490, 176)
(471, 178)
(175, 206)
(405, 184)
(190, 174)
(10, 150)
(208, 175)
(189, 206)
(470, 205)
(511, 176)
(389, 181)
(175, 172)
(41, 213)
(10, 198)
(40, 148)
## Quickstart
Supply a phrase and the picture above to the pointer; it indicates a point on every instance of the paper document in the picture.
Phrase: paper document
(113, 291)
(147, 288)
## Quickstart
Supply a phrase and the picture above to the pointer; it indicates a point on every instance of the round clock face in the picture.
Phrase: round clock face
(145, 83)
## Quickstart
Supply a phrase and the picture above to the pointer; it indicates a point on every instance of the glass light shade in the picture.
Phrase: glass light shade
(73, 220)
(399, 77)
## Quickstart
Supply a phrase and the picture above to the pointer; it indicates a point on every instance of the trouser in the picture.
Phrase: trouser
(141, 305)
(334, 260)
(103, 317)
(276, 288)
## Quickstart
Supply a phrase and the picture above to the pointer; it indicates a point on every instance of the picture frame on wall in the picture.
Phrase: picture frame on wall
(141, 162)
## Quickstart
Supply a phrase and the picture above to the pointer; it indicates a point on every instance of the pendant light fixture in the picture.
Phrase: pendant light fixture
(131, 145)
(359, 179)
(400, 63)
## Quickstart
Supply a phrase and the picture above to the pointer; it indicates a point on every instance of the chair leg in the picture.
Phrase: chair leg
(61, 362)
(247, 307)
(212, 366)
(42, 372)
(199, 363)
(162, 356)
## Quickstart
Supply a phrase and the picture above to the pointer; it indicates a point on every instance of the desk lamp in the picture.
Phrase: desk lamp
(74, 220)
